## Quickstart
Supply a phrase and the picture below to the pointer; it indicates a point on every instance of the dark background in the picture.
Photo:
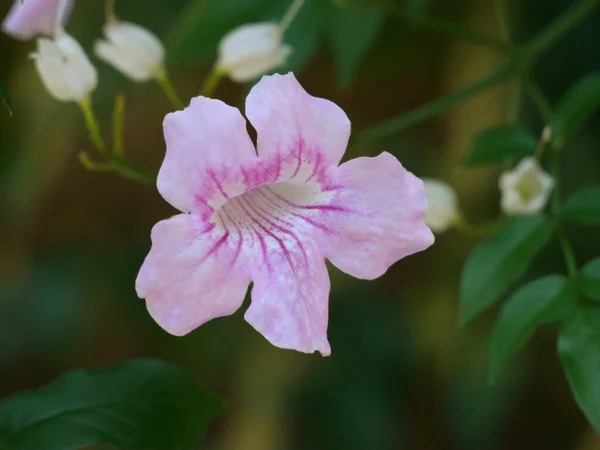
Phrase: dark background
(402, 375)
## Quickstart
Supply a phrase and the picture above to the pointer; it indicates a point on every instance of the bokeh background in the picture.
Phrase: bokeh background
(402, 374)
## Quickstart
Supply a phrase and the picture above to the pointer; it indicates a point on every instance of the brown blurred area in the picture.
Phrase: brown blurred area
(402, 375)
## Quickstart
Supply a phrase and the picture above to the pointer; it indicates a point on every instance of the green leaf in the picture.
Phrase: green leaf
(499, 261)
(6, 99)
(196, 34)
(589, 280)
(544, 300)
(584, 206)
(352, 33)
(579, 351)
(305, 33)
(578, 104)
(143, 403)
(500, 145)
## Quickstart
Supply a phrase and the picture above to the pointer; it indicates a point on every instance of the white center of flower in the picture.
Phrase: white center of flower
(529, 186)
(274, 214)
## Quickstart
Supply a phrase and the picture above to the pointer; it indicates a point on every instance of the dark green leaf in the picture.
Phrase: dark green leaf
(305, 33)
(579, 350)
(144, 403)
(352, 33)
(499, 145)
(584, 206)
(195, 36)
(544, 300)
(6, 99)
(499, 261)
(589, 280)
(579, 102)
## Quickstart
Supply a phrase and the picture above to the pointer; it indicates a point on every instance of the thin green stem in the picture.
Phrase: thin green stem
(440, 26)
(539, 98)
(212, 81)
(479, 230)
(118, 165)
(290, 14)
(559, 28)
(163, 80)
(556, 206)
(118, 122)
(92, 125)
(404, 121)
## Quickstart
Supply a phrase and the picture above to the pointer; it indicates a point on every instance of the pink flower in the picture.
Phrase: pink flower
(30, 18)
(271, 219)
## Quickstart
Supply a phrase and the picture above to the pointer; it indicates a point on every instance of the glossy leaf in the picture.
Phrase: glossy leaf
(584, 206)
(499, 145)
(499, 261)
(579, 102)
(544, 300)
(6, 99)
(589, 280)
(579, 351)
(144, 403)
(352, 33)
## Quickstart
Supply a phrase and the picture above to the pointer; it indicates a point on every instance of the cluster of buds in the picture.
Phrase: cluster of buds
(525, 190)
(245, 53)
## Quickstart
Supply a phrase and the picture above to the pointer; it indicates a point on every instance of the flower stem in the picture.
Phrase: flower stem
(503, 19)
(92, 125)
(109, 11)
(115, 162)
(118, 121)
(119, 166)
(290, 14)
(479, 230)
(163, 80)
(212, 81)
(404, 121)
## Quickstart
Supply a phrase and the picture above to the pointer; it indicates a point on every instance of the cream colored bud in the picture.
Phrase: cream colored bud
(442, 202)
(64, 68)
(132, 50)
(252, 50)
(526, 188)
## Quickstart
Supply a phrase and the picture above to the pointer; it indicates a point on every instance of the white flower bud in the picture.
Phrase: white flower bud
(442, 202)
(252, 50)
(132, 50)
(64, 68)
(526, 188)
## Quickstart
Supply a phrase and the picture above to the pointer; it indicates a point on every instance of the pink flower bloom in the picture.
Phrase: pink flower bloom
(30, 18)
(272, 218)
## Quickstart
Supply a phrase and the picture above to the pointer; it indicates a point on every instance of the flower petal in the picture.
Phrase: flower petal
(285, 116)
(387, 206)
(34, 17)
(193, 273)
(206, 138)
(290, 299)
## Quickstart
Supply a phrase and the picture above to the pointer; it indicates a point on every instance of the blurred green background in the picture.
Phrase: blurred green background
(402, 375)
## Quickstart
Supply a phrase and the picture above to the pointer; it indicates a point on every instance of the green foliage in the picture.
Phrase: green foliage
(544, 300)
(196, 35)
(584, 206)
(417, 7)
(578, 103)
(6, 99)
(499, 145)
(589, 280)
(142, 403)
(352, 33)
(499, 261)
(579, 350)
